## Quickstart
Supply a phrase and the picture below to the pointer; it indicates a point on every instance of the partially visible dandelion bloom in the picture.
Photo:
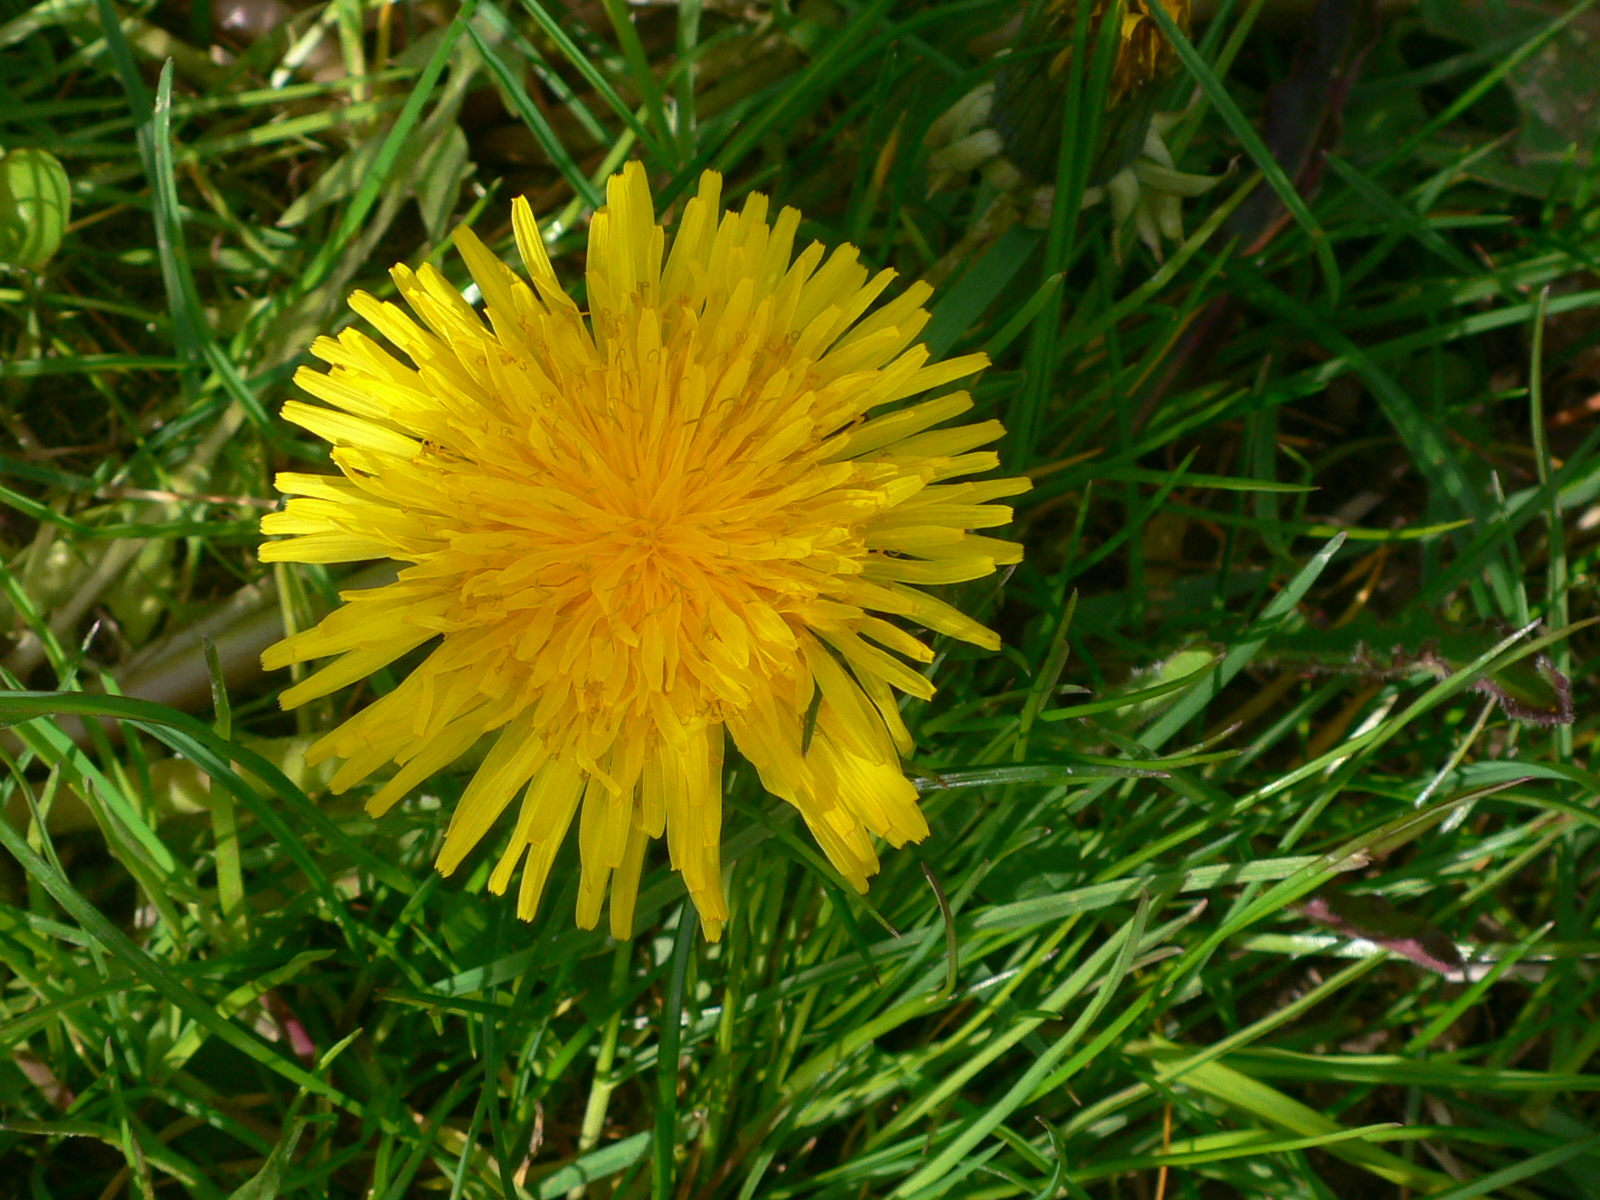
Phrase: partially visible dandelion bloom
(636, 534)
(1144, 55)
(1011, 126)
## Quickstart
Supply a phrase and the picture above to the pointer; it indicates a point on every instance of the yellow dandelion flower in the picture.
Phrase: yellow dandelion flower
(635, 535)
(1143, 53)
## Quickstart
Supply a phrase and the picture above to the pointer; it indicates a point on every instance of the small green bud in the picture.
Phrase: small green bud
(35, 200)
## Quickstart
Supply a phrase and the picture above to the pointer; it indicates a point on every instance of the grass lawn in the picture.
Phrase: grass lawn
(1263, 857)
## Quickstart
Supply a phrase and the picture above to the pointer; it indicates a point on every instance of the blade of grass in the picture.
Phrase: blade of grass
(372, 187)
(580, 62)
(1127, 940)
(192, 334)
(511, 87)
(156, 976)
(666, 1106)
(1083, 104)
(641, 72)
(1555, 530)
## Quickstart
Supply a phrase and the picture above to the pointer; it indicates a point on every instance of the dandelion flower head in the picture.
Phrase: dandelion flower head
(1143, 53)
(704, 510)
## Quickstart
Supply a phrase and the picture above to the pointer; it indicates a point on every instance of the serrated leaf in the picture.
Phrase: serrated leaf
(1530, 689)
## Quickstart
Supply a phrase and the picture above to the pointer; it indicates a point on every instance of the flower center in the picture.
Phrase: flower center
(664, 579)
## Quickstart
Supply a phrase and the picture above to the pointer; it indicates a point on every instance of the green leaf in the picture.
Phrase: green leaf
(264, 1184)
(963, 303)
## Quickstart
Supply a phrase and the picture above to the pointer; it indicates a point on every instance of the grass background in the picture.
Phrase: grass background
(1097, 978)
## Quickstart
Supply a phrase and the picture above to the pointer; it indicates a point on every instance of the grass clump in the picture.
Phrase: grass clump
(1262, 861)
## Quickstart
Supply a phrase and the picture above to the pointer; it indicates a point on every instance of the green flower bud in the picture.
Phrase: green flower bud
(35, 200)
